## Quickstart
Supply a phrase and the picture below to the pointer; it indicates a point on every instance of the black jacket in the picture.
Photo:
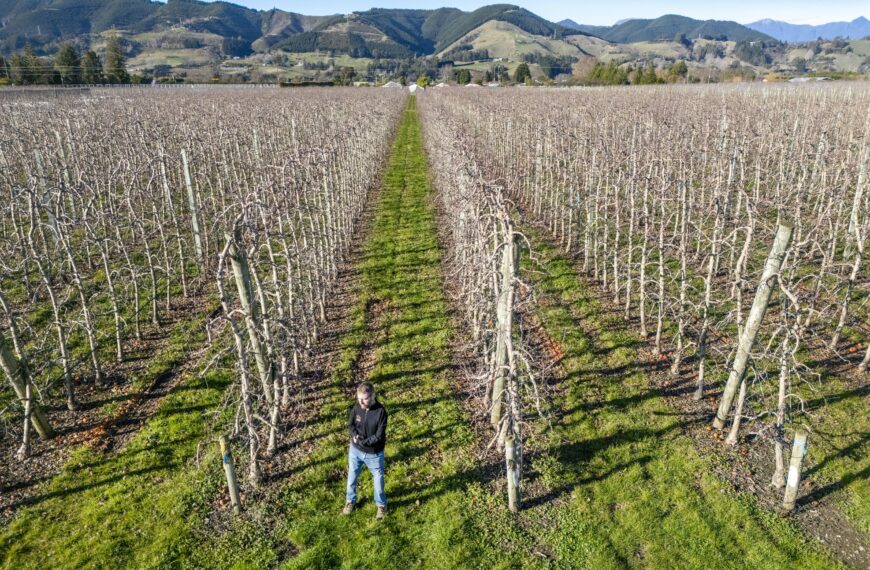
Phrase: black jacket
(370, 427)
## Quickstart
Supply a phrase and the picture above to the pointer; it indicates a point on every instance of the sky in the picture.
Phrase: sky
(607, 13)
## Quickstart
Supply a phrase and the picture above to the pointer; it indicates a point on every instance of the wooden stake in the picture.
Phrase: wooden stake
(513, 474)
(194, 208)
(230, 470)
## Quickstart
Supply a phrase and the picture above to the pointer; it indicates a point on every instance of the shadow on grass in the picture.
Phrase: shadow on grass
(559, 491)
(823, 492)
(853, 451)
(66, 492)
(456, 482)
(860, 392)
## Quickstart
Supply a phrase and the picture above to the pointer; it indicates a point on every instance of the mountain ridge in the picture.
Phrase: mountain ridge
(666, 28)
(785, 32)
(377, 32)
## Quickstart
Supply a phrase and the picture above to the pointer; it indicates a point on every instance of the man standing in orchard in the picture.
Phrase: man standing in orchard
(368, 434)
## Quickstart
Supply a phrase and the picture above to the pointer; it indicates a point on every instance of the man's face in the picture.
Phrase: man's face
(365, 400)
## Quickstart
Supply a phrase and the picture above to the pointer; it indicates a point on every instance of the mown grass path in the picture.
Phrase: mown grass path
(627, 488)
(438, 509)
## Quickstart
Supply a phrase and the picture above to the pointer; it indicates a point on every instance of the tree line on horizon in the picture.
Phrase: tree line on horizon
(67, 67)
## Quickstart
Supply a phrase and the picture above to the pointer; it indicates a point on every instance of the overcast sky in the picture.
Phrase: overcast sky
(608, 12)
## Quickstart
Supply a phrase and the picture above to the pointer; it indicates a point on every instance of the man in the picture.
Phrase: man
(368, 434)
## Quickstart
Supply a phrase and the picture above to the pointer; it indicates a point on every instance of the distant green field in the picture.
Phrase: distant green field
(173, 57)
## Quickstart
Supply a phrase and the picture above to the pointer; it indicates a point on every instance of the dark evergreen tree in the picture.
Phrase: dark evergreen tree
(678, 71)
(92, 69)
(17, 68)
(463, 76)
(345, 76)
(32, 67)
(522, 73)
(68, 64)
(115, 68)
(649, 76)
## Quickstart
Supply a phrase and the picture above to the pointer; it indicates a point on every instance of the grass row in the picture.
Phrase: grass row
(833, 409)
(133, 508)
(630, 488)
(149, 505)
(441, 514)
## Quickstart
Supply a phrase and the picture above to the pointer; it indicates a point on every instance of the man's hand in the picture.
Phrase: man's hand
(356, 439)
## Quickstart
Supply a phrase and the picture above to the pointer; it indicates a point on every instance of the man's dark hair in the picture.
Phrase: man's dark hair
(365, 388)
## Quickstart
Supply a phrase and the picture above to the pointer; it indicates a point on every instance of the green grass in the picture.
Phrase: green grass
(839, 450)
(633, 490)
(133, 508)
(838, 456)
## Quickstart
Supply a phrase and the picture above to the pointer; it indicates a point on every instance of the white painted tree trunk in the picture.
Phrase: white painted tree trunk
(798, 452)
(684, 284)
(513, 473)
(865, 364)
(230, 472)
(778, 479)
(738, 415)
(504, 325)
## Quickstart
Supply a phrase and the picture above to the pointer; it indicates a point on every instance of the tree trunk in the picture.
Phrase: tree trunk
(20, 382)
(778, 479)
(684, 283)
(798, 452)
(753, 322)
(241, 271)
(504, 325)
(738, 415)
(865, 364)
(513, 473)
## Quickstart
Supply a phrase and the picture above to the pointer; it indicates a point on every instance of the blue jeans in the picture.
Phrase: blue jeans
(375, 463)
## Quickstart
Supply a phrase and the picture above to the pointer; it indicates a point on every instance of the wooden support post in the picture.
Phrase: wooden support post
(194, 208)
(798, 452)
(513, 473)
(230, 470)
(753, 322)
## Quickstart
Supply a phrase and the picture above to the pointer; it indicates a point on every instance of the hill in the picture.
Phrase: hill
(401, 33)
(504, 40)
(785, 32)
(373, 33)
(669, 26)
(587, 29)
(43, 23)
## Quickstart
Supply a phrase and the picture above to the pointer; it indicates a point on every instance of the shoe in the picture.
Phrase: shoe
(382, 512)
(348, 508)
